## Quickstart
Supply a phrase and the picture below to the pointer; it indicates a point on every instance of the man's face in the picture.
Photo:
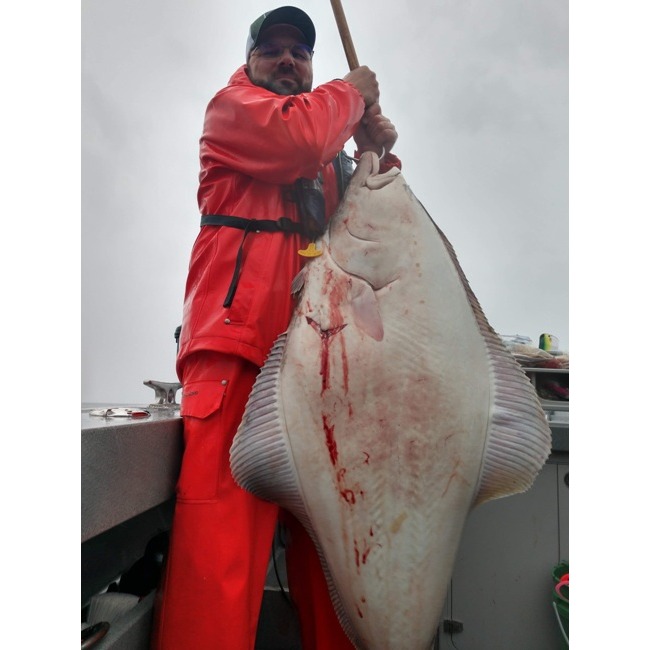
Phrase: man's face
(281, 62)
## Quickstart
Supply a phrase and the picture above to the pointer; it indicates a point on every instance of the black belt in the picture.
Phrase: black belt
(283, 224)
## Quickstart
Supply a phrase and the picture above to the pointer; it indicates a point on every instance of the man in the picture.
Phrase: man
(267, 185)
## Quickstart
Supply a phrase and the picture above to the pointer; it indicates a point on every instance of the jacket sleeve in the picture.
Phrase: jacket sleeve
(278, 138)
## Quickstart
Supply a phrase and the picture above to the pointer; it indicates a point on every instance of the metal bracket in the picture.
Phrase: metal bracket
(450, 626)
(165, 393)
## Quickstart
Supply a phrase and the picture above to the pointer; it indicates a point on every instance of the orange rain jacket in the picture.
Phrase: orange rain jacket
(255, 145)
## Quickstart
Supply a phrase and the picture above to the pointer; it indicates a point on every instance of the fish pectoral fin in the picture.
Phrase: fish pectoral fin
(298, 282)
(365, 310)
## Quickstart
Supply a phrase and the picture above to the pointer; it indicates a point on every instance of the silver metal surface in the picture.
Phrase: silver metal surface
(165, 393)
(127, 466)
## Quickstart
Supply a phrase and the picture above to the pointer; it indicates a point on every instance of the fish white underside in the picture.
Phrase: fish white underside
(387, 411)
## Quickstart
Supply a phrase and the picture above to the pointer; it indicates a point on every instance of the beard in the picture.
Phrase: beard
(283, 82)
(286, 87)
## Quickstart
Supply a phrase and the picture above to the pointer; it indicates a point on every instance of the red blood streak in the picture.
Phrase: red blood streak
(348, 495)
(325, 365)
(359, 612)
(325, 336)
(361, 557)
(453, 475)
(330, 441)
(344, 359)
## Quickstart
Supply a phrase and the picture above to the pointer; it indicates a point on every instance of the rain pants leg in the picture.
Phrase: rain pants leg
(213, 582)
(221, 536)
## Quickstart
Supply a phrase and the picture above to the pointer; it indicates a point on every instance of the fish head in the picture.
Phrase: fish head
(372, 231)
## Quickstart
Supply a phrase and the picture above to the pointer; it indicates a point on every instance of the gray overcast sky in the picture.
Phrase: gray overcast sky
(477, 90)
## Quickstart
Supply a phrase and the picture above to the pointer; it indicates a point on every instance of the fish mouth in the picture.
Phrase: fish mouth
(369, 165)
(377, 181)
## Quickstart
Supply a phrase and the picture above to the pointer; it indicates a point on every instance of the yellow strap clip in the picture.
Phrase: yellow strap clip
(310, 251)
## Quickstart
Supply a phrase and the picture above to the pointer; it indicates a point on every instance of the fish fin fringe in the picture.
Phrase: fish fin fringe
(298, 282)
(260, 457)
(519, 437)
(335, 598)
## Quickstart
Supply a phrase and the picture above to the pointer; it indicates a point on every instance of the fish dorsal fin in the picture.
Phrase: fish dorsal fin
(518, 438)
(261, 441)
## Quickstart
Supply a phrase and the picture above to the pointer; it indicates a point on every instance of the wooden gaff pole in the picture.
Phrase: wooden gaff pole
(344, 32)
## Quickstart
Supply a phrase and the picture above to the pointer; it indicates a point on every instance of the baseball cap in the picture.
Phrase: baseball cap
(281, 16)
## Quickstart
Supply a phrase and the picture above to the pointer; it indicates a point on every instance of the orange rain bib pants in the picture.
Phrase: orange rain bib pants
(221, 536)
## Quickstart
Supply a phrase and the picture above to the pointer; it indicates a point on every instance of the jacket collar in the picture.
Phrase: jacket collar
(240, 78)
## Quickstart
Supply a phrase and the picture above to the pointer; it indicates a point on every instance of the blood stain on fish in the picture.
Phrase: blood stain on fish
(361, 555)
(325, 336)
(344, 359)
(454, 475)
(348, 495)
(330, 441)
